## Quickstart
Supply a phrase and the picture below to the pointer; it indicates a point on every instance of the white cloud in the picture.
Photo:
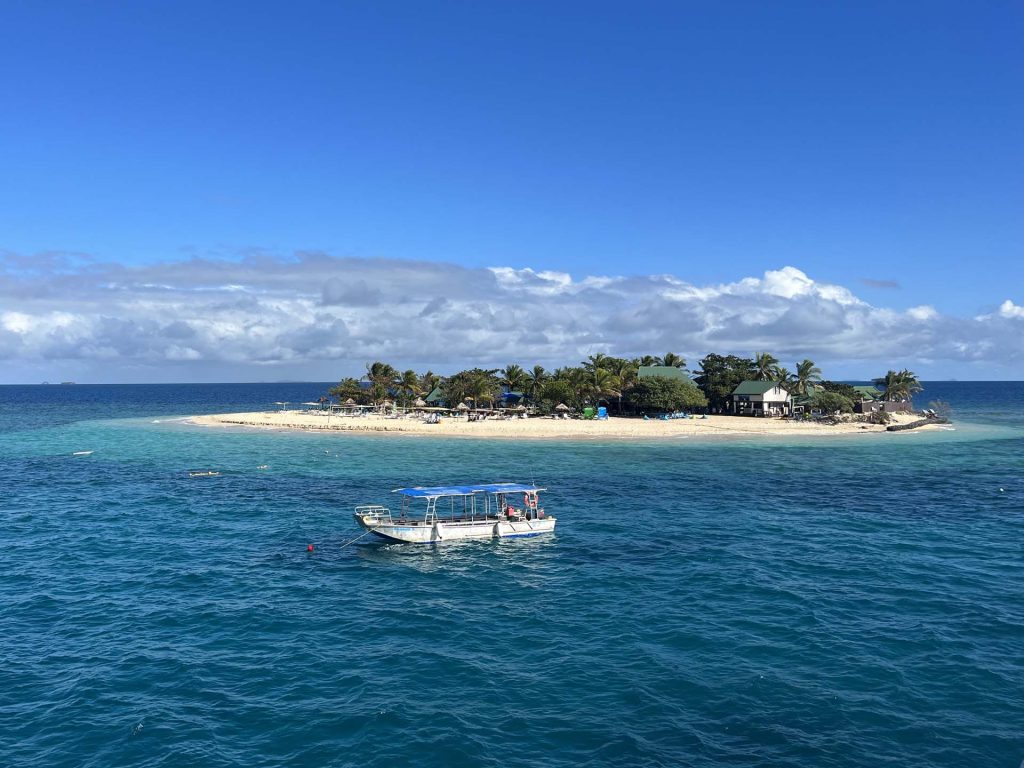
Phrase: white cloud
(923, 313)
(1009, 309)
(16, 322)
(314, 311)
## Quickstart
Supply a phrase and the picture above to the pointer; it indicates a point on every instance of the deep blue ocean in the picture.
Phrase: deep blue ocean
(837, 601)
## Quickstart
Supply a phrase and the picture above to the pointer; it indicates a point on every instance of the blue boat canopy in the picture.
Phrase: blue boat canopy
(467, 490)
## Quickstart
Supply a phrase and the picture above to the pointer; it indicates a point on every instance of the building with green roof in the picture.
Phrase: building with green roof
(761, 398)
(868, 392)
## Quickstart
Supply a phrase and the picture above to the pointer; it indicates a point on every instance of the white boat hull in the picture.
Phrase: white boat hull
(420, 532)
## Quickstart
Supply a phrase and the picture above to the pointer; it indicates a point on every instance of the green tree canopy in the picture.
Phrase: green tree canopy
(719, 376)
(514, 378)
(381, 377)
(899, 385)
(647, 360)
(830, 402)
(807, 373)
(846, 390)
(427, 382)
(672, 360)
(536, 378)
(477, 385)
(766, 367)
(786, 378)
(658, 393)
(408, 386)
(595, 362)
(350, 388)
(553, 392)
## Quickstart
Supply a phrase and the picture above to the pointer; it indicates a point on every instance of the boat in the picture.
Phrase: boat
(456, 512)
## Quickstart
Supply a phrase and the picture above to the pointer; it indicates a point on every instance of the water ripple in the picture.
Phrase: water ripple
(784, 605)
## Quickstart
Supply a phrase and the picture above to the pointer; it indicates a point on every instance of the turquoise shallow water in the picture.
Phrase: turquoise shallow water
(845, 602)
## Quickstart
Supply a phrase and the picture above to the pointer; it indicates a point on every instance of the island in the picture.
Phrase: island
(605, 398)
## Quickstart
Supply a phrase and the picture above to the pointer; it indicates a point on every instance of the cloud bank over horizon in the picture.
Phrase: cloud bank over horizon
(319, 317)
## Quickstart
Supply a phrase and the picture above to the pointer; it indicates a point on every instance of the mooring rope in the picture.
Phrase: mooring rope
(357, 538)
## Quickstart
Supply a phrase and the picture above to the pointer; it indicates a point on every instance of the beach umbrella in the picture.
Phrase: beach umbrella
(350, 401)
(462, 407)
(519, 407)
(562, 407)
(419, 402)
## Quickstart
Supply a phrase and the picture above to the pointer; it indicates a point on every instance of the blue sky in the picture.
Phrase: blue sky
(873, 146)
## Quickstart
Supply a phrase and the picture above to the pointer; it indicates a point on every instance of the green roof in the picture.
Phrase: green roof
(755, 387)
(868, 392)
(434, 396)
(812, 391)
(664, 371)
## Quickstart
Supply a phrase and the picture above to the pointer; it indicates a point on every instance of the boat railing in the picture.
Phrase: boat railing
(375, 510)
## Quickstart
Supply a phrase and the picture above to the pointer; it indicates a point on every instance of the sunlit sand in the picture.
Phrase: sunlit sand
(542, 428)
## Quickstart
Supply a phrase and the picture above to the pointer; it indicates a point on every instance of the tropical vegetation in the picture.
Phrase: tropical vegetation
(614, 382)
(831, 402)
(898, 385)
(658, 393)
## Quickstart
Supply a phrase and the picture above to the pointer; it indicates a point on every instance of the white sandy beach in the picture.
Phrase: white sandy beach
(542, 428)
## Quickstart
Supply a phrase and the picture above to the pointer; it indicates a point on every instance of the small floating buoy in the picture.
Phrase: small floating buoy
(309, 548)
(1002, 490)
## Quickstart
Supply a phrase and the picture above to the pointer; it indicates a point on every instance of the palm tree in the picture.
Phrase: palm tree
(672, 360)
(381, 377)
(409, 385)
(603, 383)
(807, 374)
(785, 378)
(899, 385)
(427, 382)
(578, 382)
(484, 386)
(766, 366)
(889, 383)
(647, 360)
(535, 381)
(514, 378)
(348, 388)
(626, 373)
(911, 384)
(593, 362)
